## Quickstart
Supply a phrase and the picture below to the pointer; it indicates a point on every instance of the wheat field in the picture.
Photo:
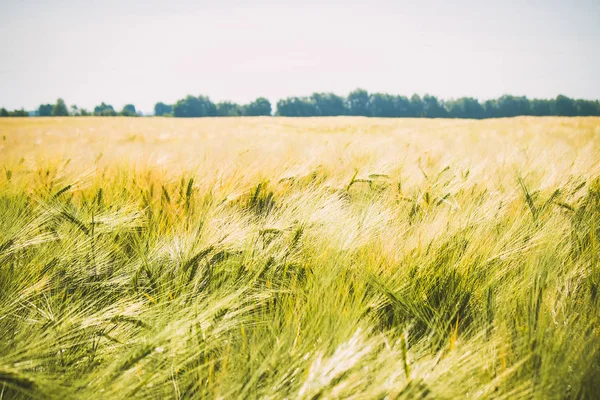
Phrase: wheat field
(315, 258)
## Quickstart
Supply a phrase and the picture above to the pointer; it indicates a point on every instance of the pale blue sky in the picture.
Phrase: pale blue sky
(141, 52)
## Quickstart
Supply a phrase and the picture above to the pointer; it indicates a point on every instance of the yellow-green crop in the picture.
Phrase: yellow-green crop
(299, 258)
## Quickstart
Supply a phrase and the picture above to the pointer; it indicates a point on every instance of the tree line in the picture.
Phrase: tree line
(60, 109)
(362, 103)
(358, 103)
(202, 106)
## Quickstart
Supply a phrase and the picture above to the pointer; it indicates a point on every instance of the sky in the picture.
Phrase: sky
(145, 51)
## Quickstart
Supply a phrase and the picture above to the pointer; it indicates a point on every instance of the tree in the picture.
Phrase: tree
(565, 106)
(128, 111)
(162, 109)
(491, 108)
(512, 106)
(80, 112)
(540, 107)
(328, 104)
(296, 107)
(465, 107)
(60, 109)
(382, 105)
(229, 109)
(357, 103)
(403, 106)
(587, 107)
(105, 110)
(389, 106)
(417, 107)
(18, 113)
(432, 108)
(3, 112)
(191, 106)
(45, 110)
(260, 106)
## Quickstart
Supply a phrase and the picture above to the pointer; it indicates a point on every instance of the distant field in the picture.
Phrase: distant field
(299, 258)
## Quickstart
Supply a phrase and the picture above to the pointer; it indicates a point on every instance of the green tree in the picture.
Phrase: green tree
(417, 108)
(3, 112)
(18, 113)
(382, 105)
(191, 107)
(128, 111)
(260, 106)
(162, 109)
(491, 108)
(587, 108)
(229, 109)
(296, 107)
(389, 106)
(357, 103)
(512, 106)
(80, 112)
(465, 107)
(328, 104)
(60, 109)
(45, 110)
(402, 106)
(104, 110)
(565, 106)
(541, 107)
(432, 108)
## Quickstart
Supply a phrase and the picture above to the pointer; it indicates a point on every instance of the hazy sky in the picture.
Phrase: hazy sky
(146, 51)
